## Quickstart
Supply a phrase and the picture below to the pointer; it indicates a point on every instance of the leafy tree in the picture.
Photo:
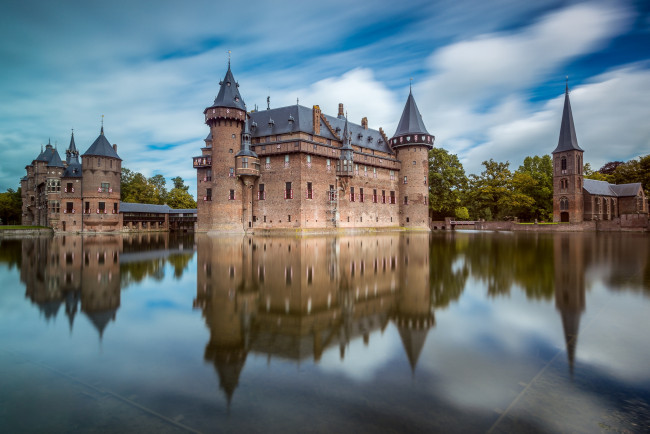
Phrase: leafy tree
(157, 183)
(180, 199)
(637, 170)
(534, 178)
(461, 213)
(11, 207)
(609, 168)
(447, 181)
(589, 173)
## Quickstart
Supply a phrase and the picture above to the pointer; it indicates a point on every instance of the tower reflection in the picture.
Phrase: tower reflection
(293, 298)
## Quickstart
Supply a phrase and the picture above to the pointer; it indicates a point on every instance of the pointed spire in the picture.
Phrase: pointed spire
(411, 121)
(72, 153)
(568, 140)
(102, 130)
(228, 95)
(245, 150)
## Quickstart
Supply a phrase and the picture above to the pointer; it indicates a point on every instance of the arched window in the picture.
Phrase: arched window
(564, 204)
(563, 165)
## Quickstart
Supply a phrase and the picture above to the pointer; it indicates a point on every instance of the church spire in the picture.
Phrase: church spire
(567, 140)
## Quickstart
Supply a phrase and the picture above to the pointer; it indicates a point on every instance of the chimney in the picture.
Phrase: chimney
(341, 112)
(114, 147)
(364, 123)
(316, 119)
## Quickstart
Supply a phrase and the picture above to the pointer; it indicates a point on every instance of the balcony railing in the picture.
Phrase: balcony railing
(202, 162)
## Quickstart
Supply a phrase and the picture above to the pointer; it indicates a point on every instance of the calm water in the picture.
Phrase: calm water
(465, 332)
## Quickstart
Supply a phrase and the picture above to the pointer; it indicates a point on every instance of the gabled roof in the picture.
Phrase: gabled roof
(598, 188)
(228, 95)
(567, 140)
(73, 170)
(102, 148)
(626, 190)
(54, 160)
(411, 121)
(296, 118)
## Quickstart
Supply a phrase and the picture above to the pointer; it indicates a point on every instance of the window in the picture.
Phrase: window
(383, 196)
(288, 191)
(310, 193)
(329, 165)
(261, 194)
(231, 195)
(374, 195)
(392, 197)
(392, 175)
(425, 179)
(69, 207)
(87, 208)
(365, 170)
(115, 208)
(564, 204)
(351, 194)
(54, 206)
(374, 172)
(331, 193)
(563, 165)
(69, 188)
(308, 160)
(230, 151)
(414, 163)
(231, 172)
(286, 160)
(405, 182)
(406, 200)
(289, 218)
(244, 163)
(102, 207)
(99, 162)
(208, 176)
(360, 194)
(208, 194)
(105, 187)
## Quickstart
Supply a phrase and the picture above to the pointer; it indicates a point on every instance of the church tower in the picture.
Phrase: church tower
(219, 190)
(412, 142)
(568, 204)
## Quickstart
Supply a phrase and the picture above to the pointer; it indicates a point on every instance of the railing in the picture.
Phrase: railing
(202, 162)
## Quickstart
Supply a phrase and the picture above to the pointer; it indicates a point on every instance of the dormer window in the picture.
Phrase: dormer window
(236, 99)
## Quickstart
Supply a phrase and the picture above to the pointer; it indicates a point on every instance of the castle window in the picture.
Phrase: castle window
(286, 160)
(309, 161)
(405, 182)
(374, 195)
(231, 172)
(406, 200)
(351, 194)
(102, 207)
(392, 197)
(383, 196)
(244, 163)
(288, 191)
(230, 150)
(69, 188)
(310, 193)
(563, 165)
(261, 194)
(208, 194)
(231, 195)
(69, 207)
(87, 207)
(115, 208)
(360, 194)
(392, 175)
(414, 163)
(564, 204)
(99, 162)
(105, 186)
(329, 165)
(331, 193)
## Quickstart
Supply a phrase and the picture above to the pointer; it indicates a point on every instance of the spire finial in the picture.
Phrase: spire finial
(297, 101)
(229, 59)
(410, 84)
(102, 131)
(268, 102)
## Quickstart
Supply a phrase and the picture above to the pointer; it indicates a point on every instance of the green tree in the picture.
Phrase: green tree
(180, 199)
(11, 207)
(447, 181)
(589, 173)
(637, 170)
(157, 182)
(534, 179)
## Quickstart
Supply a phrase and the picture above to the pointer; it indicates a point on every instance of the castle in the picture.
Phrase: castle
(576, 199)
(74, 196)
(297, 168)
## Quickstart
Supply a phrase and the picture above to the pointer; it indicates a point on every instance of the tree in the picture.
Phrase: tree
(157, 183)
(178, 197)
(11, 207)
(447, 181)
(534, 178)
(634, 171)
(589, 173)
(609, 168)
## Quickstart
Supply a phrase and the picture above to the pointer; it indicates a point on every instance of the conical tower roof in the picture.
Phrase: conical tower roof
(72, 157)
(102, 148)
(411, 121)
(228, 95)
(413, 341)
(72, 154)
(568, 140)
(346, 149)
(245, 150)
(51, 155)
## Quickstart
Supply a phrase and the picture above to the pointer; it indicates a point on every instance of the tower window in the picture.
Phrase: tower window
(231, 196)
(564, 204)
(563, 165)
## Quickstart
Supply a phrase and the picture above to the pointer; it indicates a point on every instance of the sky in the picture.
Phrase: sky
(488, 76)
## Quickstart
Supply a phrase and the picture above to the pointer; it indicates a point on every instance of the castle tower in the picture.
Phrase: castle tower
(100, 186)
(219, 190)
(71, 202)
(568, 202)
(411, 143)
(247, 169)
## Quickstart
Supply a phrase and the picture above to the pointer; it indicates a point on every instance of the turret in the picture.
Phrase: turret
(345, 165)
(568, 202)
(411, 143)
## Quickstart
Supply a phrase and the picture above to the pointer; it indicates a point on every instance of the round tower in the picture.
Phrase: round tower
(219, 204)
(411, 143)
(100, 186)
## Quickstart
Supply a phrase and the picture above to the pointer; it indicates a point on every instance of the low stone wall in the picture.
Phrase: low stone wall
(628, 222)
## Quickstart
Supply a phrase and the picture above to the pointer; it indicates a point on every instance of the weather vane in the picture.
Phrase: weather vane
(229, 58)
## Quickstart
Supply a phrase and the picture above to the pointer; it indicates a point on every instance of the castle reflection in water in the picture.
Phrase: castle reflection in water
(293, 298)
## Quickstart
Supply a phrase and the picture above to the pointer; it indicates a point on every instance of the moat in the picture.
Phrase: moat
(411, 332)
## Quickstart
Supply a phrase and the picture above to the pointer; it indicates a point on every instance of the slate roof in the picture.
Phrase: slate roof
(567, 140)
(603, 188)
(411, 121)
(41, 156)
(245, 150)
(102, 148)
(72, 153)
(228, 95)
(182, 211)
(303, 121)
(626, 190)
(54, 160)
(144, 207)
(73, 170)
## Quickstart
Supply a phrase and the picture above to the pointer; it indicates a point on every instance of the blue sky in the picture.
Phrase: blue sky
(488, 76)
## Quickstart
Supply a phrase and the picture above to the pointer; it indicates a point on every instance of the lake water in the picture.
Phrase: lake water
(449, 332)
